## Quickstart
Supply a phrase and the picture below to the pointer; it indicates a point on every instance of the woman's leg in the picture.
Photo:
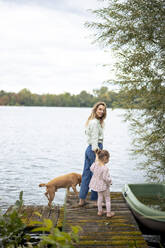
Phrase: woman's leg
(86, 176)
(94, 194)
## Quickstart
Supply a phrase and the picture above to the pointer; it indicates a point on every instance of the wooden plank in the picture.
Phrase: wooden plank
(29, 213)
(60, 221)
(46, 212)
(54, 215)
(111, 243)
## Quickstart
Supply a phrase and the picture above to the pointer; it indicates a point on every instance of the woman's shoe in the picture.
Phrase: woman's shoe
(81, 203)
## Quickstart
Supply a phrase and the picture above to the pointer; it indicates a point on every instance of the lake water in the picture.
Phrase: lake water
(40, 143)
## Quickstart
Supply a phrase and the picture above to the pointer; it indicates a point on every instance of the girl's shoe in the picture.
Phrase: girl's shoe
(99, 213)
(110, 214)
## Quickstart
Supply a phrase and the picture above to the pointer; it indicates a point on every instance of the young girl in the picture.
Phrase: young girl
(100, 181)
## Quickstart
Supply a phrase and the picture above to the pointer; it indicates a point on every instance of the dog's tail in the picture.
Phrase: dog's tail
(42, 185)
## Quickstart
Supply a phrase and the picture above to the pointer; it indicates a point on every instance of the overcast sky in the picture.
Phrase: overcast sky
(45, 47)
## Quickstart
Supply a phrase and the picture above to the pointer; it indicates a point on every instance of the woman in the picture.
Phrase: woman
(94, 133)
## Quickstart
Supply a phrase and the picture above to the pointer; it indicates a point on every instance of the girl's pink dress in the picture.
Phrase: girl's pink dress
(100, 180)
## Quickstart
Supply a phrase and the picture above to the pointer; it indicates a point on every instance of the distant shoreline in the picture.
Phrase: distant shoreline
(83, 99)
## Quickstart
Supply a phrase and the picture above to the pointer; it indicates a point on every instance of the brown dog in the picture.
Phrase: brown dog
(65, 181)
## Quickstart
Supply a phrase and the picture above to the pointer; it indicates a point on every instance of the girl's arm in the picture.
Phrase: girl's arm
(106, 176)
(92, 167)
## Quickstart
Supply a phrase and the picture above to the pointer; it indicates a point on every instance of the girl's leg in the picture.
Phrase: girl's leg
(108, 203)
(99, 203)
(107, 200)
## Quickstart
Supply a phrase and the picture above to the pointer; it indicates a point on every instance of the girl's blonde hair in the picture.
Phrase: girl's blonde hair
(93, 114)
(101, 154)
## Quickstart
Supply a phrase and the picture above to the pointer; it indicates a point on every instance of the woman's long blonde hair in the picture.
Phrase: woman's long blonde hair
(93, 114)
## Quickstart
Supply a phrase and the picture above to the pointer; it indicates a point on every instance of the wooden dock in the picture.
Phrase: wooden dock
(120, 231)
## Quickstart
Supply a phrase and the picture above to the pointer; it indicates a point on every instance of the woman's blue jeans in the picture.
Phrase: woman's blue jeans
(87, 174)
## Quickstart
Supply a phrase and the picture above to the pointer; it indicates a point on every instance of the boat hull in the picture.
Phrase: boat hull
(150, 223)
(149, 217)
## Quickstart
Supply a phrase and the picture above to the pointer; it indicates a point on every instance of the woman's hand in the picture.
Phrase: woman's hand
(96, 150)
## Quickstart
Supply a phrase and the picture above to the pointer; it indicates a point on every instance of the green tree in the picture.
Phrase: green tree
(24, 97)
(134, 30)
(85, 99)
(12, 97)
(110, 97)
(67, 99)
(4, 100)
